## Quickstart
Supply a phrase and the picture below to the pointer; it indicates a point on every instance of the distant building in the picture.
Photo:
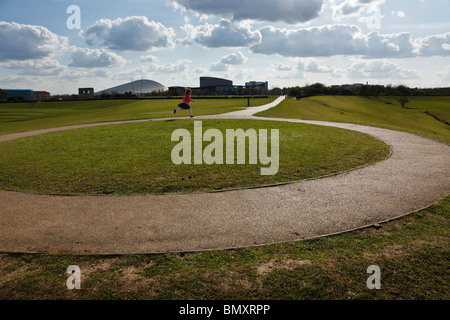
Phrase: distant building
(41, 95)
(137, 87)
(352, 86)
(208, 82)
(263, 86)
(224, 86)
(86, 93)
(177, 90)
(217, 84)
(26, 94)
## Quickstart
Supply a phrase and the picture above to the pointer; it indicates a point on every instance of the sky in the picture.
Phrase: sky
(62, 45)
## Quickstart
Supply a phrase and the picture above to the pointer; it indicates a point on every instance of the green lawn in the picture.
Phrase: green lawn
(420, 115)
(412, 252)
(19, 117)
(135, 158)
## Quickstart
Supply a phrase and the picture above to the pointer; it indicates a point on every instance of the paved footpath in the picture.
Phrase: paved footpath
(415, 176)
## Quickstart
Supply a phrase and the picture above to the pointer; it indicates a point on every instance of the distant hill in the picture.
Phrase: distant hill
(135, 87)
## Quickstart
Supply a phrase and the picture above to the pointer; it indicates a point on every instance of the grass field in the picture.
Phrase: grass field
(136, 158)
(19, 117)
(425, 116)
(412, 252)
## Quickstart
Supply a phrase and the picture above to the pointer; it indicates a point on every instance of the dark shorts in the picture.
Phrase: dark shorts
(184, 106)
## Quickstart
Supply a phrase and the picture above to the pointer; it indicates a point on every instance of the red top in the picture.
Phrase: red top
(187, 98)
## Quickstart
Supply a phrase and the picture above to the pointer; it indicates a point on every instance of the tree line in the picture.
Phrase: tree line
(297, 91)
(360, 90)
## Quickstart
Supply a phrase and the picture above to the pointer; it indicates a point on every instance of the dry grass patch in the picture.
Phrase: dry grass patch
(284, 264)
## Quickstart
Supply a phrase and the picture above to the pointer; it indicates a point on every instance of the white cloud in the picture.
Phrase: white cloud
(235, 58)
(201, 70)
(149, 58)
(24, 42)
(36, 67)
(95, 58)
(342, 40)
(219, 67)
(310, 42)
(444, 74)
(380, 69)
(136, 73)
(355, 8)
(102, 73)
(129, 34)
(178, 66)
(389, 45)
(223, 34)
(399, 14)
(313, 66)
(283, 67)
(435, 45)
(291, 12)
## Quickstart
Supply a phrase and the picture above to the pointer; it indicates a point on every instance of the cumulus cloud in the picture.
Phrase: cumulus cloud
(102, 73)
(399, 14)
(223, 34)
(351, 8)
(335, 40)
(136, 73)
(149, 58)
(235, 58)
(283, 67)
(380, 69)
(129, 34)
(95, 58)
(310, 42)
(178, 66)
(436, 45)
(35, 67)
(389, 45)
(24, 42)
(156, 66)
(313, 66)
(444, 74)
(219, 67)
(291, 12)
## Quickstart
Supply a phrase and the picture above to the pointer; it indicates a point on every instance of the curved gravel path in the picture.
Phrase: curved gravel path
(416, 175)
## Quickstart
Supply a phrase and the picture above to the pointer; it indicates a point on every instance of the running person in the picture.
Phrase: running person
(185, 104)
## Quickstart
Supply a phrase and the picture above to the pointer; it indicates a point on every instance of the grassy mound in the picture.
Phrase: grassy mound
(135, 158)
(19, 117)
(425, 116)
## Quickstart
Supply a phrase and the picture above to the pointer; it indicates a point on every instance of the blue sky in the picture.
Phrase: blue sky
(174, 42)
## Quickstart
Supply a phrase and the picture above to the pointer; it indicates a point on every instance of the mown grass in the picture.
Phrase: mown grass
(136, 158)
(412, 254)
(425, 116)
(19, 117)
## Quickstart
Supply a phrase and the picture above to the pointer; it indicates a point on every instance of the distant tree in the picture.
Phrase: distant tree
(276, 91)
(346, 92)
(403, 101)
(295, 91)
(3, 96)
(402, 90)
